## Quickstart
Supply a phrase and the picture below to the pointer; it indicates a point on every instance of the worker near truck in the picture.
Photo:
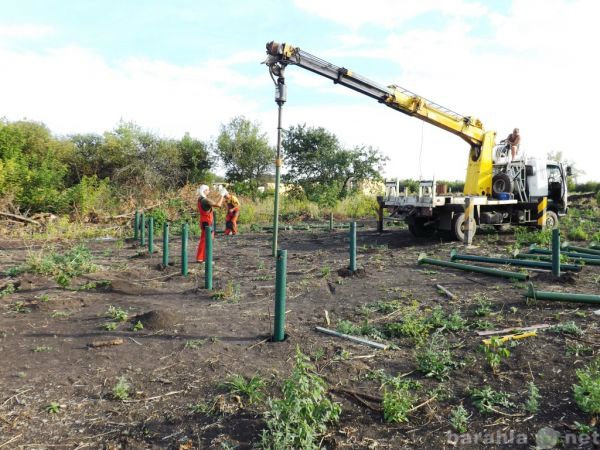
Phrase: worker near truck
(513, 140)
(233, 212)
(205, 208)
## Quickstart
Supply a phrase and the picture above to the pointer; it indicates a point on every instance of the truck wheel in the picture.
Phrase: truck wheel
(418, 229)
(502, 183)
(458, 226)
(551, 220)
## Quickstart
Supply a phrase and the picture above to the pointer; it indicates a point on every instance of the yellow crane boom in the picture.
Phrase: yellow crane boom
(479, 170)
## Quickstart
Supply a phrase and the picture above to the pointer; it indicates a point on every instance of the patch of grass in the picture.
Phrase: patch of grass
(365, 329)
(19, 307)
(486, 399)
(387, 307)
(578, 349)
(231, 293)
(53, 408)
(121, 389)
(452, 322)
(92, 285)
(495, 352)
(484, 306)
(42, 349)
(8, 289)
(482, 325)
(567, 328)
(300, 417)
(194, 343)
(138, 326)
(62, 267)
(397, 404)
(325, 271)
(60, 314)
(252, 388)
(459, 419)
(587, 390)
(532, 404)
(110, 326)
(578, 234)
(414, 325)
(117, 314)
(435, 358)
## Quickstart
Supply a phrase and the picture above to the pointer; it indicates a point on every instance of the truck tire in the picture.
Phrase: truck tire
(502, 183)
(418, 228)
(458, 227)
(551, 220)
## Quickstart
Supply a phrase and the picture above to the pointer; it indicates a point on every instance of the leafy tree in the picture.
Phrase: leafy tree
(195, 159)
(244, 151)
(326, 171)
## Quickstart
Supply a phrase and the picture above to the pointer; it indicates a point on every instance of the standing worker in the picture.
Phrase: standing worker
(233, 212)
(514, 139)
(205, 208)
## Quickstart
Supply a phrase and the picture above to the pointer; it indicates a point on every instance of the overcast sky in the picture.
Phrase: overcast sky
(189, 66)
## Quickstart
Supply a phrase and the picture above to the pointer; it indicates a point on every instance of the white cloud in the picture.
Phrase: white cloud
(73, 89)
(25, 31)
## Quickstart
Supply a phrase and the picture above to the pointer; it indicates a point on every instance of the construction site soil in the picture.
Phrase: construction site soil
(60, 361)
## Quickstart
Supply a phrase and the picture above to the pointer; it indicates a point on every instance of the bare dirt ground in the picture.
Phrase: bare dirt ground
(55, 348)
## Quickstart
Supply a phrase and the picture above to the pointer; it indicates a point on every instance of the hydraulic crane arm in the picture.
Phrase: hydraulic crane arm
(479, 172)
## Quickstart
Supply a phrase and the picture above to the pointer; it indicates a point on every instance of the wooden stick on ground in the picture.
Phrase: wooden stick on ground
(19, 218)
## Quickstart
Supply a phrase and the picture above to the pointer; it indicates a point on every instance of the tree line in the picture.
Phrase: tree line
(82, 172)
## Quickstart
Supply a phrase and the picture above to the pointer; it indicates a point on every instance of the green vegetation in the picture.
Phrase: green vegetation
(459, 419)
(567, 328)
(53, 408)
(138, 326)
(495, 352)
(486, 399)
(587, 390)
(252, 388)
(116, 313)
(300, 417)
(532, 404)
(434, 359)
(397, 403)
(121, 389)
(8, 289)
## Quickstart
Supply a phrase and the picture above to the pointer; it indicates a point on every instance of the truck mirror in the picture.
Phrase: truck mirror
(569, 171)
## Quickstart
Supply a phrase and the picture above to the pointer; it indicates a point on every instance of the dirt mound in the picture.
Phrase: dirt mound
(158, 320)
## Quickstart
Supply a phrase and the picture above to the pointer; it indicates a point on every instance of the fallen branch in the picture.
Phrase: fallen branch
(168, 394)
(107, 343)
(352, 338)
(11, 440)
(20, 218)
(446, 291)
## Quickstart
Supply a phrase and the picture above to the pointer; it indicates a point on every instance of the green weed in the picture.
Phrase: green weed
(397, 404)
(495, 352)
(117, 314)
(459, 419)
(567, 328)
(587, 391)
(532, 403)
(53, 408)
(435, 358)
(121, 389)
(486, 399)
(252, 388)
(300, 417)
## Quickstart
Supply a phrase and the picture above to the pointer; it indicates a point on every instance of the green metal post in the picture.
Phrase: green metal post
(136, 226)
(533, 249)
(165, 245)
(184, 252)
(208, 265)
(280, 282)
(352, 247)
(150, 235)
(561, 296)
(142, 230)
(330, 221)
(454, 256)
(423, 259)
(556, 252)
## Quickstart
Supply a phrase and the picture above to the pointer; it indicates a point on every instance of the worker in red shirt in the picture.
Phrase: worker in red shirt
(205, 208)
(514, 139)
(233, 212)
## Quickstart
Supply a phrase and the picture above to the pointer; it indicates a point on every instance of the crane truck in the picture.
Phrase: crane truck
(502, 192)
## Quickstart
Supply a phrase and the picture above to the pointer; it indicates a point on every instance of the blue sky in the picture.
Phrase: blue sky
(189, 66)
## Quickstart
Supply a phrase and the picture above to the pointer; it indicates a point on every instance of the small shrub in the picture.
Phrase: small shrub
(53, 408)
(578, 234)
(435, 358)
(532, 404)
(251, 388)
(121, 389)
(301, 416)
(459, 419)
(567, 328)
(117, 314)
(485, 399)
(8, 289)
(483, 306)
(587, 391)
(495, 352)
(397, 403)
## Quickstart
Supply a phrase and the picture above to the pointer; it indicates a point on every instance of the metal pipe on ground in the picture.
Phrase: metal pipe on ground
(561, 296)
(423, 259)
(454, 255)
(543, 251)
(572, 248)
(548, 258)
